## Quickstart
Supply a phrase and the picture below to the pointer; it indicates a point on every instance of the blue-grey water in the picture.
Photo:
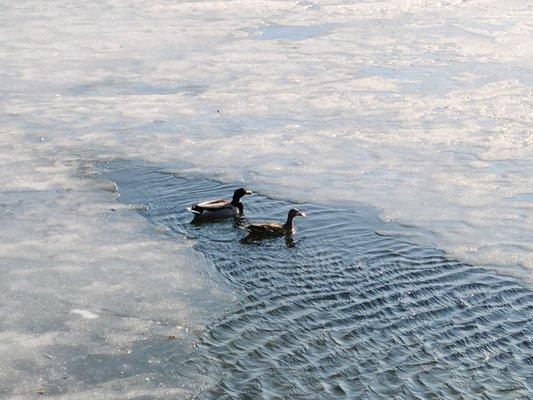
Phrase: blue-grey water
(342, 311)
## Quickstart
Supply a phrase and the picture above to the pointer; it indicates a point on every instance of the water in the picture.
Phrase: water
(419, 109)
(351, 309)
(291, 33)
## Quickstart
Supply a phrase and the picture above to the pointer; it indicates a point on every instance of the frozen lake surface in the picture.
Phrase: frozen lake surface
(417, 111)
(420, 108)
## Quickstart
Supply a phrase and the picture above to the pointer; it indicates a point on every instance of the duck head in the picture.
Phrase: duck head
(289, 225)
(295, 213)
(240, 193)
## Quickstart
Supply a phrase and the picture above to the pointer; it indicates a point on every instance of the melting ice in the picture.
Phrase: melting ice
(420, 108)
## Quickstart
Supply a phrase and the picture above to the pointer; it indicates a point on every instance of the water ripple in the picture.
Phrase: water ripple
(345, 312)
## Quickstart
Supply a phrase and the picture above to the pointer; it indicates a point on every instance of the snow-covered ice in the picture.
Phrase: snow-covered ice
(86, 284)
(420, 108)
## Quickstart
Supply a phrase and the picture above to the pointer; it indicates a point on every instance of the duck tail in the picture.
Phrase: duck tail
(194, 209)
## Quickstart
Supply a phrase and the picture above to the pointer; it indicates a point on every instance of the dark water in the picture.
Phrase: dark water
(344, 312)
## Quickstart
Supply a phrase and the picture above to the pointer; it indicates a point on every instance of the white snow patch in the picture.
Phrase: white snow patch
(85, 313)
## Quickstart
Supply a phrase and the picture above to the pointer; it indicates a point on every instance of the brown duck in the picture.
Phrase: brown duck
(275, 229)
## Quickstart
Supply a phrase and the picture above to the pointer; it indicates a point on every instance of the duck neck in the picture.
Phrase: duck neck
(235, 201)
(289, 225)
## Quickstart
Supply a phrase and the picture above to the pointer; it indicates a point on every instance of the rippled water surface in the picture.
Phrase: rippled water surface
(352, 309)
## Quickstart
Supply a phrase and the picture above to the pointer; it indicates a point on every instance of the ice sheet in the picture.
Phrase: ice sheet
(419, 108)
(87, 285)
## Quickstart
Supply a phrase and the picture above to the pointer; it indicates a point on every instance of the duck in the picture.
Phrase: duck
(220, 207)
(275, 229)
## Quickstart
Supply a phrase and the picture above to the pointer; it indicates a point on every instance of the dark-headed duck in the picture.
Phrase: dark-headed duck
(220, 208)
(274, 229)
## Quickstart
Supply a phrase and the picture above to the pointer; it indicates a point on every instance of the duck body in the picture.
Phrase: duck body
(268, 229)
(274, 229)
(220, 208)
(216, 208)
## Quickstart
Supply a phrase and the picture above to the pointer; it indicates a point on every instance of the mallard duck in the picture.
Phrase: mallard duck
(220, 207)
(274, 229)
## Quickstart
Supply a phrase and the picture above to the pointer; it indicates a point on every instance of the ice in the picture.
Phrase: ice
(85, 313)
(420, 108)
(86, 285)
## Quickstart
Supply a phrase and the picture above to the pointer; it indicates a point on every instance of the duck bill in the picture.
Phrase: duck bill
(248, 192)
(301, 214)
